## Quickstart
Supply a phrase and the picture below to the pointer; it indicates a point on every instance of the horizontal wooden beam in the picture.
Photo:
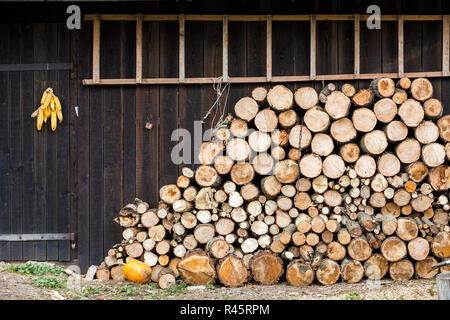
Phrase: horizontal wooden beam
(37, 237)
(289, 17)
(35, 67)
(337, 77)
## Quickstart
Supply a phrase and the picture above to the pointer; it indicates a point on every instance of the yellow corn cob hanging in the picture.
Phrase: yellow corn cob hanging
(44, 96)
(57, 103)
(40, 119)
(59, 114)
(53, 120)
(47, 114)
(48, 99)
(52, 103)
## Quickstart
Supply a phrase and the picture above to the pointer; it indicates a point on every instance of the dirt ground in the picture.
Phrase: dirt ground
(15, 286)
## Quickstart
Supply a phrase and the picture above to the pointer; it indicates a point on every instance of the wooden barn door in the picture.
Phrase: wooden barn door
(34, 165)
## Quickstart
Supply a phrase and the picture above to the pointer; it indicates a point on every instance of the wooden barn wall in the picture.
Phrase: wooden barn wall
(76, 180)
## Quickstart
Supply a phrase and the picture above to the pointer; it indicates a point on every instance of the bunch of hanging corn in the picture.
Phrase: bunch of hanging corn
(50, 108)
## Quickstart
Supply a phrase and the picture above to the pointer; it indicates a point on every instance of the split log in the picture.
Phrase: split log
(196, 268)
(204, 200)
(266, 267)
(359, 249)
(232, 271)
(401, 270)
(328, 273)
(306, 97)
(352, 271)
(280, 98)
(393, 249)
(299, 274)
(246, 109)
(316, 119)
(376, 267)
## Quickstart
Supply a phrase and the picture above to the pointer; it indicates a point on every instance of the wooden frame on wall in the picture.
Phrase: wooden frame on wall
(225, 19)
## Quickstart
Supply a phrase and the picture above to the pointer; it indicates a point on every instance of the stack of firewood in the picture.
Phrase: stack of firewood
(337, 184)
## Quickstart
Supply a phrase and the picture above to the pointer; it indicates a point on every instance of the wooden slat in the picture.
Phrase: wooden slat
(400, 46)
(225, 48)
(445, 45)
(139, 48)
(312, 72)
(181, 47)
(269, 48)
(356, 45)
(96, 50)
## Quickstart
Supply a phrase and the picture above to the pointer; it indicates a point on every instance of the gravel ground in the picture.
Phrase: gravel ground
(14, 286)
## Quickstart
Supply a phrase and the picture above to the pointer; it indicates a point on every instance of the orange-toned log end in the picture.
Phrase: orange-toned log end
(328, 272)
(401, 270)
(441, 245)
(232, 271)
(376, 267)
(137, 271)
(196, 268)
(424, 270)
(352, 271)
(299, 274)
(266, 267)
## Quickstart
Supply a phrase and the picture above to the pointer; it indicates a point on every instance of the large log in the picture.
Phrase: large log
(329, 272)
(393, 249)
(376, 267)
(299, 274)
(232, 271)
(316, 119)
(337, 105)
(421, 89)
(266, 267)
(196, 268)
(342, 130)
(280, 98)
(306, 97)
(266, 120)
(385, 110)
(364, 119)
(246, 108)
(424, 268)
(401, 270)
(359, 249)
(207, 176)
(352, 271)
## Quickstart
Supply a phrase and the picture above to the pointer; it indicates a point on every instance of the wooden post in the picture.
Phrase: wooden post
(181, 72)
(312, 59)
(269, 48)
(225, 76)
(445, 45)
(443, 285)
(139, 48)
(96, 50)
(357, 46)
(400, 47)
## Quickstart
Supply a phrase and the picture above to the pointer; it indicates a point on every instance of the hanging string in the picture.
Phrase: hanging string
(217, 106)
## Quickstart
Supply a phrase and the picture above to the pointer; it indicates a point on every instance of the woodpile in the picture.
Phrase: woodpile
(304, 186)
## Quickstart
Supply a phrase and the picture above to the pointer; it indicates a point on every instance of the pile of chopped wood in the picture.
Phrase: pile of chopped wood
(338, 184)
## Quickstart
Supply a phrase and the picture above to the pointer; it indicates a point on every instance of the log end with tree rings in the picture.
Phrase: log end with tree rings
(365, 167)
(349, 152)
(342, 130)
(411, 112)
(352, 271)
(337, 105)
(421, 89)
(266, 267)
(396, 131)
(239, 128)
(328, 272)
(208, 151)
(306, 97)
(393, 249)
(310, 165)
(232, 271)
(238, 149)
(206, 176)
(385, 110)
(286, 171)
(433, 108)
(246, 108)
(300, 137)
(322, 144)
(364, 119)
(263, 164)
(426, 132)
(170, 193)
(280, 98)
(316, 119)
(408, 151)
(242, 173)
(401, 270)
(299, 274)
(333, 166)
(376, 267)
(196, 268)
(259, 94)
(363, 98)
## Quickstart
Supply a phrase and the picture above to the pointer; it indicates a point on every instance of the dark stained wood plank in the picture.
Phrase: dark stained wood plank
(413, 46)
(237, 63)
(5, 253)
(28, 128)
(15, 145)
(432, 52)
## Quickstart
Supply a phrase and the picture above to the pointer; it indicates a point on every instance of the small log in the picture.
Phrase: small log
(401, 270)
(246, 109)
(232, 271)
(385, 110)
(103, 274)
(333, 166)
(393, 249)
(189, 194)
(342, 130)
(396, 131)
(266, 267)
(389, 224)
(417, 171)
(349, 152)
(299, 274)
(382, 87)
(348, 89)
(322, 144)
(407, 229)
(182, 206)
(411, 112)
(298, 238)
(376, 267)
(157, 233)
(421, 203)
(242, 173)
(408, 151)
(266, 120)
(196, 268)
(404, 83)
(259, 94)
(352, 271)
(363, 98)
(306, 252)
(263, 164)
(399, 96)
(270, 186)
(421, 89)
(306, 97)
(134, 250)
(166, 278)
(280, 98)
(162, 247)
(190, 242)
(364, 119)
(328, 273)
(287, 119)
(326, 91)
(433, 108)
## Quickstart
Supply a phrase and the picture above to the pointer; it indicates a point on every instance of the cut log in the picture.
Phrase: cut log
(259, 94)
(439, 178)
(170, 193)
(333, 166)
(322, 144)
(306, 97)
(393, 249)
(426, 132)
(196, 268)
(433, 154)
(401, 270)
(207, 176)
(166, 278)
(299, 274)
(352, 271)
(433, 108)
(134, 250)
(399, 96)
(287, 119)
(183, 182)
(421, 89)
(424, 270)
(280, 98)
(407, 229)
(385, 110)
(242, 173)
(300, 137)
(224, 226)
(103, 274)
(246, 109)
(266, 267)
(239, 128)
(329, 272)
(326, 91)
(316, 119)
(337, 105)
(263, 164)
(365, 167)
(364, 119)
(286, 171)
(374, 142)
(117, 273)
(359, 249)
(182, 205)
(441, 245)
(203, 233)
(332, 198)
(343, 130)
(421, 203)
(404, 83)
(363, 98)
(349, 152)
(223, 164)
(266, 120)
(444, 128)
(238, 149)
(408, 151)
(302, 201)
(348, 89)
(376, 267)
(418, 248)
(208, 151)
(311, 165)
(411, 113)
(259, 141)
(396, 131)
(389, 224)
(232, 271)
(382, 87)
(336, 251)
(270, 186)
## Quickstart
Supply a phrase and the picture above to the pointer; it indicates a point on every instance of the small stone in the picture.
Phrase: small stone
(90, 274)
(191, 288)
